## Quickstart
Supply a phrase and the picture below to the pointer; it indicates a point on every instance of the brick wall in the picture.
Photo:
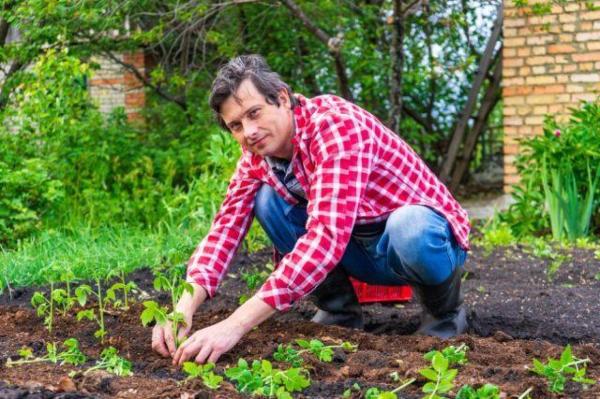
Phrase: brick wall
(114, 86)
(550, 63)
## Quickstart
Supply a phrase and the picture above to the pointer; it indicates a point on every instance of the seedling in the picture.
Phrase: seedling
(440, 376)
(71, 355)
(83, 292)
(253, 280)
(263, 379)
(58, 298)
(112, 362)
(125, 287)
(176, 286)
(203, 371)
(322, 352)
(453, 354)
(557, 371)
(348, 392)
(488, 391)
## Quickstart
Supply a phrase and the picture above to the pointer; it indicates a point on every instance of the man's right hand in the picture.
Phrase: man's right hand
(163, 341)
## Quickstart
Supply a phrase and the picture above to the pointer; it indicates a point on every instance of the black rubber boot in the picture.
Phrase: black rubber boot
(337, 302)
(443, 314)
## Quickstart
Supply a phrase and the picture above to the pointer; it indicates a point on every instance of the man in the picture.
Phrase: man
(338, 194)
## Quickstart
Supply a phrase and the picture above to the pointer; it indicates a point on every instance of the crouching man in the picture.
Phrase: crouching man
(339, 195)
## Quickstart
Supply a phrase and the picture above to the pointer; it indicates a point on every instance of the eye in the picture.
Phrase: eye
(235, 127)
(253, 114)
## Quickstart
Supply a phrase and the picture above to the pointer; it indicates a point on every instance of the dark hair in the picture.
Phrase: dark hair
(238, 69)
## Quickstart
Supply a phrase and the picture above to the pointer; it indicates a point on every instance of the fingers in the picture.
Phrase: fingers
(158, 341)
(169, 339)
(188, 349)
(204, 353)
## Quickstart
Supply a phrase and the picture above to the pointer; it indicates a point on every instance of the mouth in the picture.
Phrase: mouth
(258, 141)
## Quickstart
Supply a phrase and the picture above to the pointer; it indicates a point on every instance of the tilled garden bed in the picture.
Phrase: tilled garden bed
(516, 314)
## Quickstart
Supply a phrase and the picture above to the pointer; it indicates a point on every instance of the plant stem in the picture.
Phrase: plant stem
(526, 393)
(101, 309)
(51, 315)
(407, 383)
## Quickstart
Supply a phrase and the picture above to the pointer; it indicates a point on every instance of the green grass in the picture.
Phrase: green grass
(96, 252)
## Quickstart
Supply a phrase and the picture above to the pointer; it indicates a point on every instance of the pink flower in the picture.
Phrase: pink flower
(557, 132)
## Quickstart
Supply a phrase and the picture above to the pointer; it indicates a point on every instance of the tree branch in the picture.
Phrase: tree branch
(333, 44)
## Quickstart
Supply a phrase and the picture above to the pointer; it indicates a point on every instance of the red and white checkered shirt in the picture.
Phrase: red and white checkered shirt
(354, 171)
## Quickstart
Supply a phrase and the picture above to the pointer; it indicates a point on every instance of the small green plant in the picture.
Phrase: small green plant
(83, 293)
(175, 286)
(348, 392)
(263, 379)
(496, 234)
(125, 287)
(112, 362)
(557, 371)
(440, 377)
(71, 355)
(203, 371)
(454, 355)
(321, 351)
(570, 211)
(253, 280)
(58, 298)
(487, 391)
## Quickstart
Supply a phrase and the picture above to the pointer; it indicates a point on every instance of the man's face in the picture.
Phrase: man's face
(262, 128)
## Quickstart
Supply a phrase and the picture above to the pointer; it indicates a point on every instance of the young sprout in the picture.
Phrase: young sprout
(487, 391)
(323, 352)
(440, 377)
(83, 292)
(112, 362)
(126, 287)
(175, 286)
(262, 379)
(455, 355)
(203, 371)
(557, 371)
(71, 355)
(254, 279)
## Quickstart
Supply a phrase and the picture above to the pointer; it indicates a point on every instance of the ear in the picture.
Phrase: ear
(284, 98)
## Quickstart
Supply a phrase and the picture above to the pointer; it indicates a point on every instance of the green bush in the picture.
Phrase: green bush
(571, 151)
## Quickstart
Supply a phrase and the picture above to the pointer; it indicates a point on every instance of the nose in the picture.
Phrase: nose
(250, 129)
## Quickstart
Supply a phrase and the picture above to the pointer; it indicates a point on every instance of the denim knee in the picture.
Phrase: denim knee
(421, 244)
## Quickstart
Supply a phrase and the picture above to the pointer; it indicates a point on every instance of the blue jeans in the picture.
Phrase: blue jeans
(416, 247)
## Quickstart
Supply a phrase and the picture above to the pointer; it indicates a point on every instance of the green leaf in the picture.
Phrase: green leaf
(439, 363)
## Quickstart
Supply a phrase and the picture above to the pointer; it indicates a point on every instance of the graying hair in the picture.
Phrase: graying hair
(238, 69)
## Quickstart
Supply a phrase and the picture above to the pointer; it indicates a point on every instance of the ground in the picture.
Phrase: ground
(516, 313)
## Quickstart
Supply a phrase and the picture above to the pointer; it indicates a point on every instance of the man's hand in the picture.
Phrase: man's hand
(163, 340)
(208, 344)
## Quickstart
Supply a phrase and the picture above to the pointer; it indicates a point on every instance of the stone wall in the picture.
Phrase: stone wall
(550, 63)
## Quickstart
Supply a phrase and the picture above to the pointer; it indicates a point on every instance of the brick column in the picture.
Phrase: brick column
(135, 96)
(550, 63)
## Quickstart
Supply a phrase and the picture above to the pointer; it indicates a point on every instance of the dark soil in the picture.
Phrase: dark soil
(516, 314)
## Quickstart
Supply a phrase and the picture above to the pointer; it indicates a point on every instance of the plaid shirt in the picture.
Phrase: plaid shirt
(354, 171)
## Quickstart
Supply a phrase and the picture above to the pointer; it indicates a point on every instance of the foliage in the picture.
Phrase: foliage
(204, 372)
(322, 352)
(83, 292)
(71, 355)
(264, 380)
(558, 371)
(487, 391)
(175, 286)
(254, 279)
(440, 377)
(454, 355)
(572, 151)
(112, 362)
